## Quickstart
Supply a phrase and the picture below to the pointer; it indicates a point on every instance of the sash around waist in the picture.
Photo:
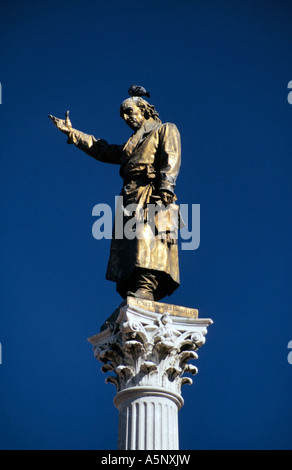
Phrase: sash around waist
(140, 174)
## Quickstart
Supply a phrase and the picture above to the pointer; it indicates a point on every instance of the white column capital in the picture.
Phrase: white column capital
(149, 344)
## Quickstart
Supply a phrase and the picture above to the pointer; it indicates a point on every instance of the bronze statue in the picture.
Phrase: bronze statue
(144, 267)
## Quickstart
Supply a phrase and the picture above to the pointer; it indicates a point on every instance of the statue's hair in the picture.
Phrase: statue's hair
(149, 110)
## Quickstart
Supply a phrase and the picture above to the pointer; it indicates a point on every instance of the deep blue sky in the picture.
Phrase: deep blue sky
(219, 71)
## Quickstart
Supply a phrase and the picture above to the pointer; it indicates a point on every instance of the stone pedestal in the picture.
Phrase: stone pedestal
(148, 345)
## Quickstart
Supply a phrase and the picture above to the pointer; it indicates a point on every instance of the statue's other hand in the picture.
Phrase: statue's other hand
(166, 197)
(63, 125)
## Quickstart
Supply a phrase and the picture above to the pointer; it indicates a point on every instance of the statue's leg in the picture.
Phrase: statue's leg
(146, 283)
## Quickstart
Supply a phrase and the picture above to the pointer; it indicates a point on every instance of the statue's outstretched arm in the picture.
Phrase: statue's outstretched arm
(64, 125)
(96, 148)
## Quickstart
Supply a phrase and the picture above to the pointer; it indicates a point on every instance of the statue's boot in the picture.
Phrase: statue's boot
(141, 294)
(146, 283)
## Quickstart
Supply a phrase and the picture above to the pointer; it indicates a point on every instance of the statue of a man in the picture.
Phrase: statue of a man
(144, 267)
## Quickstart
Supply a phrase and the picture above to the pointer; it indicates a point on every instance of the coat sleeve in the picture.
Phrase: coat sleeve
(170, 157)
(99, 149)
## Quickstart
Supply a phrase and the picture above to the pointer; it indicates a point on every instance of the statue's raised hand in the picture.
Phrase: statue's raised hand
(64, 125)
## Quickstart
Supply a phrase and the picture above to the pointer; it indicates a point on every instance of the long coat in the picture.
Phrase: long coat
(149, 162)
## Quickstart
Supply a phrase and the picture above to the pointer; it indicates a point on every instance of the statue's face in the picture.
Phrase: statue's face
(133, 116)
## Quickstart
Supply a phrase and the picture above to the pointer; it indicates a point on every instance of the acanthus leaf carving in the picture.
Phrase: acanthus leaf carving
(144, 350)
(148, 367)
(186, 381)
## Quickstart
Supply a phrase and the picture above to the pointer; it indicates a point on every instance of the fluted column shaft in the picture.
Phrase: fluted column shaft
(148, 419)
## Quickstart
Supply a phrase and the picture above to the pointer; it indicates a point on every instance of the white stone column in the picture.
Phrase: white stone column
(148, 419)
(147, 345)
